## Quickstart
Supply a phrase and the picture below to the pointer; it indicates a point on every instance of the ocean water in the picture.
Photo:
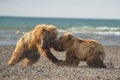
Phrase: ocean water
(104, 30)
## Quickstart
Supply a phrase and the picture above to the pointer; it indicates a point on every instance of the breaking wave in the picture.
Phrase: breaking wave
(103, 30)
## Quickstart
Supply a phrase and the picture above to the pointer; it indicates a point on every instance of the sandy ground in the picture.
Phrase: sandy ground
(46, 70)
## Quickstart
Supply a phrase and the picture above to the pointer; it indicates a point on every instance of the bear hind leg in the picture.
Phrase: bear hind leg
(31, 59)
(95, 62)
(75, 62)
(16, 57)
(99, 63)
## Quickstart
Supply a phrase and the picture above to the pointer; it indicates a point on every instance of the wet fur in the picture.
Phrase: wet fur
(78, 50)
(33, 44)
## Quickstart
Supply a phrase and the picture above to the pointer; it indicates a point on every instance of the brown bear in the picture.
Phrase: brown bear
(78, 50)
(32, 44)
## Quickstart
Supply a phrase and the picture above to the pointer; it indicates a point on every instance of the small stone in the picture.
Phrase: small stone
(60, 75)
(10, 71)
(117, 67)
(98, 76)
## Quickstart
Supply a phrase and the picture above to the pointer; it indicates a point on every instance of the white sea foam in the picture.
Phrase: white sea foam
(93, 30)
(17, 32)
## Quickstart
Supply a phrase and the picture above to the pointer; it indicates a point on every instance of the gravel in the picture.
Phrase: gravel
(46, 70)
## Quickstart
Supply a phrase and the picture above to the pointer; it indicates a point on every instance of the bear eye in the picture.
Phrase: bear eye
(60, 38)
(43, 39)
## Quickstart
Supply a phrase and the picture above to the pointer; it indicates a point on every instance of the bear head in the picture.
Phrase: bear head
(45, 35)
(66, 40)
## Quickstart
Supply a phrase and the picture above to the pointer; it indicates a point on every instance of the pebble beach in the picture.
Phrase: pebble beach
(46, 70)
(106, 31)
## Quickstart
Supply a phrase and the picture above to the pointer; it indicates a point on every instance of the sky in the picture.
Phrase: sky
(108, 9)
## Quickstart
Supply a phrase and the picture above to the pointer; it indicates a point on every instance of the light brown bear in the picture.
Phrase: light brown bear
(78, 50)
(32, 44)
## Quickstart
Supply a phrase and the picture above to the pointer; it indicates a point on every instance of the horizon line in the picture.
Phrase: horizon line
(59, 17)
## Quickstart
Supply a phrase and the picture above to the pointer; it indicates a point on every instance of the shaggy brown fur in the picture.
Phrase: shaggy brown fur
(82, 50)
(32, 44)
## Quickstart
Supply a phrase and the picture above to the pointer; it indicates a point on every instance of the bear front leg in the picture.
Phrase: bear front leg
(18, 54)
(71, 60)
(46, 53)
(50, 56)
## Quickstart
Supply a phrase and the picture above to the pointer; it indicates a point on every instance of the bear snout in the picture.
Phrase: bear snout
(44, 46)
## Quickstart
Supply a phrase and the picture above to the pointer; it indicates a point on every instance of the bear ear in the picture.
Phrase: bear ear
(43, 29)
(70, 37)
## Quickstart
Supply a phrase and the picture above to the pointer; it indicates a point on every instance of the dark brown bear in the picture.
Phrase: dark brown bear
(78, 50)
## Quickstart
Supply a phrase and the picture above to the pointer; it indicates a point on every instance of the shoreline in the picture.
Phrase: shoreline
(46, 70)
(9, 37)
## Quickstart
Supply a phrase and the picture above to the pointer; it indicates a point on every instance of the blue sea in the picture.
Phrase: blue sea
(106, 31)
